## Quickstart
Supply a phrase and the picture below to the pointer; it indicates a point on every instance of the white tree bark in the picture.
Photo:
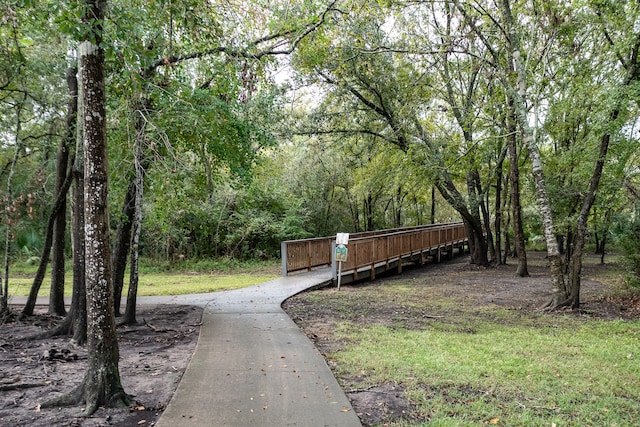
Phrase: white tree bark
(519, 96)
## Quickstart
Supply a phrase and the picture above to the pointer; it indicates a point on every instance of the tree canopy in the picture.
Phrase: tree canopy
(389, 114)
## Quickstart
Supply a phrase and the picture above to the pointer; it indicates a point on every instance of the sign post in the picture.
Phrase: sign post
(342, 239)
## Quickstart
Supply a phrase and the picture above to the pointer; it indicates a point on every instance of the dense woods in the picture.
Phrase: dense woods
(233, 126)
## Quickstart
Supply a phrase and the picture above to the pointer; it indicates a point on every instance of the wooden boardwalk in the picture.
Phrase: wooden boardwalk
(375, 252)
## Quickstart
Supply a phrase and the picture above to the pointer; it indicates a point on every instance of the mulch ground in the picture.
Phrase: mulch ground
(153, 357)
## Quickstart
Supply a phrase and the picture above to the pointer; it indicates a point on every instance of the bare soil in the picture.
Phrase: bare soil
(155, 353)
(153, 357)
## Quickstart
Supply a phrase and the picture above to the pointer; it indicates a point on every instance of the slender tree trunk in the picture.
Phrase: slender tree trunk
(486, 218)
(581, 231)
(516, 210)
(78, 311)
(9, 199)
(498, 209)
(75, 323)
(56, 295)
(122, 245)
(432, 215)
(56, 292)
(602, 247)
(59, 204)
(507, 239)
(141, 166)
(367, 206)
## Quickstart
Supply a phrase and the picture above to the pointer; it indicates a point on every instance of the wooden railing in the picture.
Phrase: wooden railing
(369, 250)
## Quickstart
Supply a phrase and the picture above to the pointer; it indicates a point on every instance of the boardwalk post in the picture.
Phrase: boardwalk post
(283, 254)
(334, 269)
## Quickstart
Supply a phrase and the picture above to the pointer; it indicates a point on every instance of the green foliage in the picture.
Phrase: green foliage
(245, 221)
(629, 238)
(225, 176)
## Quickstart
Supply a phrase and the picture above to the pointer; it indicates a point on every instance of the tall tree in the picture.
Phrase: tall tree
(381, 81)
(101, 385)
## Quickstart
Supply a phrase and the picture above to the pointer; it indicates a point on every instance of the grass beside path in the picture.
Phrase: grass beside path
(156, 280)
(468, 347)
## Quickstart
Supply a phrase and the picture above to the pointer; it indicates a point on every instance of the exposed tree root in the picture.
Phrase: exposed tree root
(554, 305)
(92, 397)
(19, 386)
(64, 328)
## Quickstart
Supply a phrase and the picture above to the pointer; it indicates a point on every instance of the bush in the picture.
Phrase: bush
(630, 243)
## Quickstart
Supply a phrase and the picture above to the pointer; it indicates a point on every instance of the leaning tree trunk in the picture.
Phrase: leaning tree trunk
(101, 385)
(60, 203)
(581, 230)
(632, 67)
(475, 233)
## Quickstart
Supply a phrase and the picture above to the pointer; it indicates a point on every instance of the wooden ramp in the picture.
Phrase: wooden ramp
(376, 252)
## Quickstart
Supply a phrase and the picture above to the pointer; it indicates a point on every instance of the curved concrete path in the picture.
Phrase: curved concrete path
(253, 366)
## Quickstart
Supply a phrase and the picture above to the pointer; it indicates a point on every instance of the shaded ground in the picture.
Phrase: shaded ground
(153, 357)
(468, 286)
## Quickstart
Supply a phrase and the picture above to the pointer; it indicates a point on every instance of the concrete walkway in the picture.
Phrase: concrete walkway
(253, 366)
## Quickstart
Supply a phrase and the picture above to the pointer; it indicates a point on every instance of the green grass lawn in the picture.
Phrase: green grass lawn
(570, 373)
(155, 281)
(464, 361)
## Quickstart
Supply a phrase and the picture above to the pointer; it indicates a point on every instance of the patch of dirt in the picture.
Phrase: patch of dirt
(384, 402)
(153, 357)
(426, 305)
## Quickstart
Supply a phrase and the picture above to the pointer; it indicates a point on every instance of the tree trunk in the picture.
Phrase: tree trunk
(516, 210)
(602, 246)
(59, 203)
(432, 213)
(78, 310)
(486, 218)
(56, 295)
(141, 166)
(101, 385)
(498, 209)
(507, 240)
(367, 207)
(9, 201)
(581, 232)
(122, 244)
(75, 323)
(553, 254)
(475, 232)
